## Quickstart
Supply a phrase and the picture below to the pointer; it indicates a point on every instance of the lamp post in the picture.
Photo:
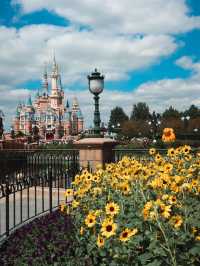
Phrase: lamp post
(116, 128)
(154, 123)
(1, 124)
(185, 120)
(96, 86)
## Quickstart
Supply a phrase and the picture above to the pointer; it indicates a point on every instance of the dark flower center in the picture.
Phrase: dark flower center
(91, 220)
(125, 234)
(109, 228)
(112, 209)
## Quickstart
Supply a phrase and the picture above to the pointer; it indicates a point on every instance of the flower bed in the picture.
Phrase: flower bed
(139, 212)
(44, 241)
(135, 212)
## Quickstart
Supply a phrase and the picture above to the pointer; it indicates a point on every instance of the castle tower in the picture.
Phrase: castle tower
(77, 117)
(56, 95)
(67, 120)
(16, 121)
(80, 121)
(45, 82)
(28, 116)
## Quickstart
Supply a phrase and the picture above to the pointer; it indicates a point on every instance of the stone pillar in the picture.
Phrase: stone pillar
(94, 151)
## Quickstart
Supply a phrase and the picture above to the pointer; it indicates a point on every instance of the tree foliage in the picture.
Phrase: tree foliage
(193, 111)
(140, 111)
(117, 116)
(171, 112)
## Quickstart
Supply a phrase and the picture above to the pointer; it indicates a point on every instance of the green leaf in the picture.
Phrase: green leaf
(144, 258)
(154, 263)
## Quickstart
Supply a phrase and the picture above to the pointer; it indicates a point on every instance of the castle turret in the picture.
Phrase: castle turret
(16, 121)
(80, 121)
(56, 95)
(67, 120)
(45, 82)
(29, 116)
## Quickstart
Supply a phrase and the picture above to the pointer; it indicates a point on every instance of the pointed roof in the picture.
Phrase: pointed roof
(29, 101)
(17, 113)
(75, 102)
(45, 80)
(79, 114)
(55, 67)
(67, 104)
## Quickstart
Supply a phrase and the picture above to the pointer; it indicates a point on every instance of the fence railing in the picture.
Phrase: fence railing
(33, 182)
(140, 153)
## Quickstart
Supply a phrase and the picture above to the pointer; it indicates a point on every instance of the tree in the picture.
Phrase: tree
(117, 116)
(171, 113)
(193, 112)
(137, 128)
(140, 111)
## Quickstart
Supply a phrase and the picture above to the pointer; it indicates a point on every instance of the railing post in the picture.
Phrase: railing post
(7, 208)
(50, 191)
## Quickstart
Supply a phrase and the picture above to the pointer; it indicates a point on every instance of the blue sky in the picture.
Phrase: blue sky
(144, 51)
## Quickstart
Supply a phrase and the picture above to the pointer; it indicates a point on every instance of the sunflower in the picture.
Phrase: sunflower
(158, 157)
(96, 178)
(69, 192)
(171, 152)
(188, 157)
(168, 167)
(152, 172)
(100, 241)
(178, 150)
(125, 235)
(112, 208)
(186, 149)
(125, 188)
(166, 211)
(108, 228)
(152, 151)
(90, 220)
(88, 177)
(176, 221)
(172, 199)
(168, 135)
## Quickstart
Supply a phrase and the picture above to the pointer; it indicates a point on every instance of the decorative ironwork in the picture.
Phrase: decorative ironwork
(33, 182)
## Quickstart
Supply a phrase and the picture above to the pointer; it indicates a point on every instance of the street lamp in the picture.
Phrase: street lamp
(1, 124)
(185, 120)
(154, 123)
(96, 86)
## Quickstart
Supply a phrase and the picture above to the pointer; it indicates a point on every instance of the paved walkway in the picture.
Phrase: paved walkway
(57, 198)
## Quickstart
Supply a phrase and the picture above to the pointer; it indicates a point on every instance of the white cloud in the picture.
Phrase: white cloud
(159, 95)
(24, 51)
(126, 17)
(124, 36)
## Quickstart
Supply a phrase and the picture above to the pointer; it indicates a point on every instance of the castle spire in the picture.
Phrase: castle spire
(45, 79)
(29, 101)
(55, 67)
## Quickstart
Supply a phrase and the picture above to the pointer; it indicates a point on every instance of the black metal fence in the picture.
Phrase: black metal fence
(141, 154)
(33, 182)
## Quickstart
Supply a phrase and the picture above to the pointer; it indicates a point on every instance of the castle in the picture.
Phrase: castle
(48, 114)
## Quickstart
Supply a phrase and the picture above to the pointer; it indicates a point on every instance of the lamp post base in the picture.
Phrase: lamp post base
(95, 151)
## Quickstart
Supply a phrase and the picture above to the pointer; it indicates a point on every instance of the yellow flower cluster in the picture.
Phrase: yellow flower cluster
(156, 185)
